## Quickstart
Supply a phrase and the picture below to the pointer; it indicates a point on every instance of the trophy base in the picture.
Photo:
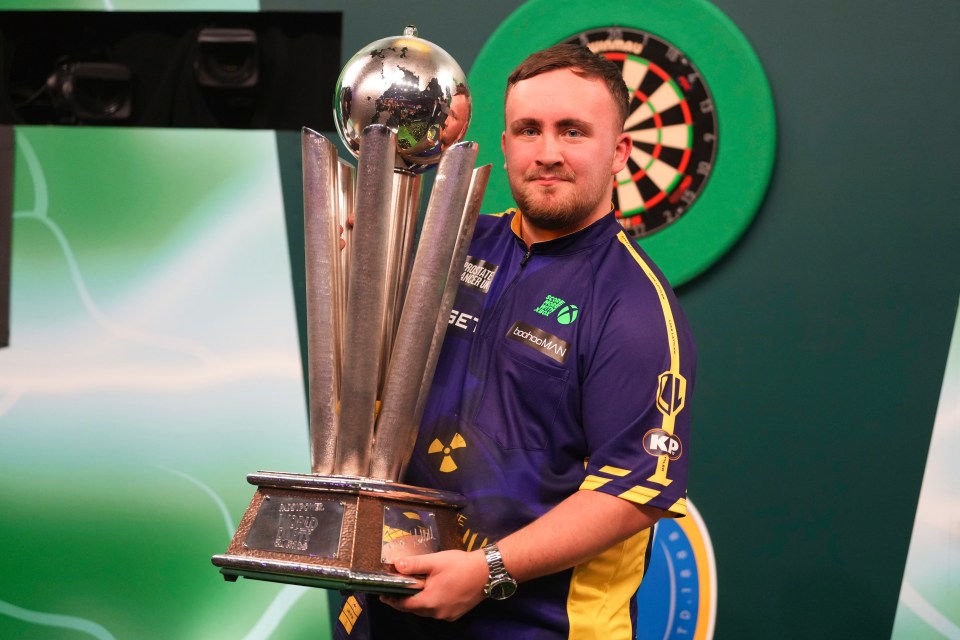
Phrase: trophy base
(338, 532)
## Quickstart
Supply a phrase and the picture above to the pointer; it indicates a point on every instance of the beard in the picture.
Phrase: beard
(558, 207)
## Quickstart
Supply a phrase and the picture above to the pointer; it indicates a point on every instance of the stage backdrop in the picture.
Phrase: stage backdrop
(155, 362)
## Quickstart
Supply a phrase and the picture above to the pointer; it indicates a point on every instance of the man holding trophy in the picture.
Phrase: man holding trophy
(559, 408)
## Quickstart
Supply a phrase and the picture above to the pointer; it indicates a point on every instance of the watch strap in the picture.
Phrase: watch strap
(500, 584)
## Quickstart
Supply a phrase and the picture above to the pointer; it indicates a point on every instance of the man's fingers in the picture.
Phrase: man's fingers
(411, 564)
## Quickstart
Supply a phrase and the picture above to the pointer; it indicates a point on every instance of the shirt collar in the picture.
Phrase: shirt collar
(594, 233)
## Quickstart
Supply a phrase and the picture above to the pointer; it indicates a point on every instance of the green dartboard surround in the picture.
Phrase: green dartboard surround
(746, 136)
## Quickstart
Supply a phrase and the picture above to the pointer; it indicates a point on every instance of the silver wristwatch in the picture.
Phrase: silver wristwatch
(500, 584)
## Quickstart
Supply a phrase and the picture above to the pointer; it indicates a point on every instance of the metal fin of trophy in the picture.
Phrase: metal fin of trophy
(376, 314)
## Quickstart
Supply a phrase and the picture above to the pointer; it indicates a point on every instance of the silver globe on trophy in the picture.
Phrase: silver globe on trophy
(377, 310)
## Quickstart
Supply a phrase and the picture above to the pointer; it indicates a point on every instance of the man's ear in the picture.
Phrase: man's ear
(622, 152)
(503, 147)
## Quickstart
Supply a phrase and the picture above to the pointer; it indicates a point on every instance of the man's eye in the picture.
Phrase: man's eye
(574, 133)
(528, 132)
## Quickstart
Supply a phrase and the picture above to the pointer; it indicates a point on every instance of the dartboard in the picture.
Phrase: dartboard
(701, 118)
(672, 123)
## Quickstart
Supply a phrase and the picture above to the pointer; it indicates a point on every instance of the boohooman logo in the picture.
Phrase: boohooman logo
(546, 343)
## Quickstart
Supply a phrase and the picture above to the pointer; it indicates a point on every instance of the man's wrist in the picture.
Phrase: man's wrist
(500, 584)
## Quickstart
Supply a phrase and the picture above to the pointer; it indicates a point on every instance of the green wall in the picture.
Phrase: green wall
(823, 335)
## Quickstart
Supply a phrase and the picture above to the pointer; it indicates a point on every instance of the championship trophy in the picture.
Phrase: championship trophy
(377, 310)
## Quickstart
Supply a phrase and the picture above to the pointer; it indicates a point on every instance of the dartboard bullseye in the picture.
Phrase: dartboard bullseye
(672, 123)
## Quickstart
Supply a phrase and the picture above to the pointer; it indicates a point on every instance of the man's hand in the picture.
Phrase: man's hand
(582, 526)
(454, 582)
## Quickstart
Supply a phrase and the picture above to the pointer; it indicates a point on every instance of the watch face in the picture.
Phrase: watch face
(503, 589)
(672, 124)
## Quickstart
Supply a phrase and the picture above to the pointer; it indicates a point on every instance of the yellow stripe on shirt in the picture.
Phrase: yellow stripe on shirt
(669, 417)
(598, 603)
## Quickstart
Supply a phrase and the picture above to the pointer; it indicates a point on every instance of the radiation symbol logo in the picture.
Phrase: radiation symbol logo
(568, 314)
(447, 464)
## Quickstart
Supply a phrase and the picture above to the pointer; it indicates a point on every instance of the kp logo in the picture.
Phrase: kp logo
(658, 442)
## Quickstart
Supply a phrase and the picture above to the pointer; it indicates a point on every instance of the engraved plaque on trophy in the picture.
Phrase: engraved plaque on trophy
(377, 311)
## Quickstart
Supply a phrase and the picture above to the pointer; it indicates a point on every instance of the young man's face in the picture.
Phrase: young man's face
(563, 145)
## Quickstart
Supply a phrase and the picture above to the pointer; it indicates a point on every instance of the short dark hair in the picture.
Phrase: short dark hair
(581, 61)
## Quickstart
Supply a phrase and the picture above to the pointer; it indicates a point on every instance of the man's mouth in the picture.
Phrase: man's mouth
(547, 179)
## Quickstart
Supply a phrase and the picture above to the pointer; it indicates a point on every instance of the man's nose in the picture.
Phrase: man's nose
(550, 152)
